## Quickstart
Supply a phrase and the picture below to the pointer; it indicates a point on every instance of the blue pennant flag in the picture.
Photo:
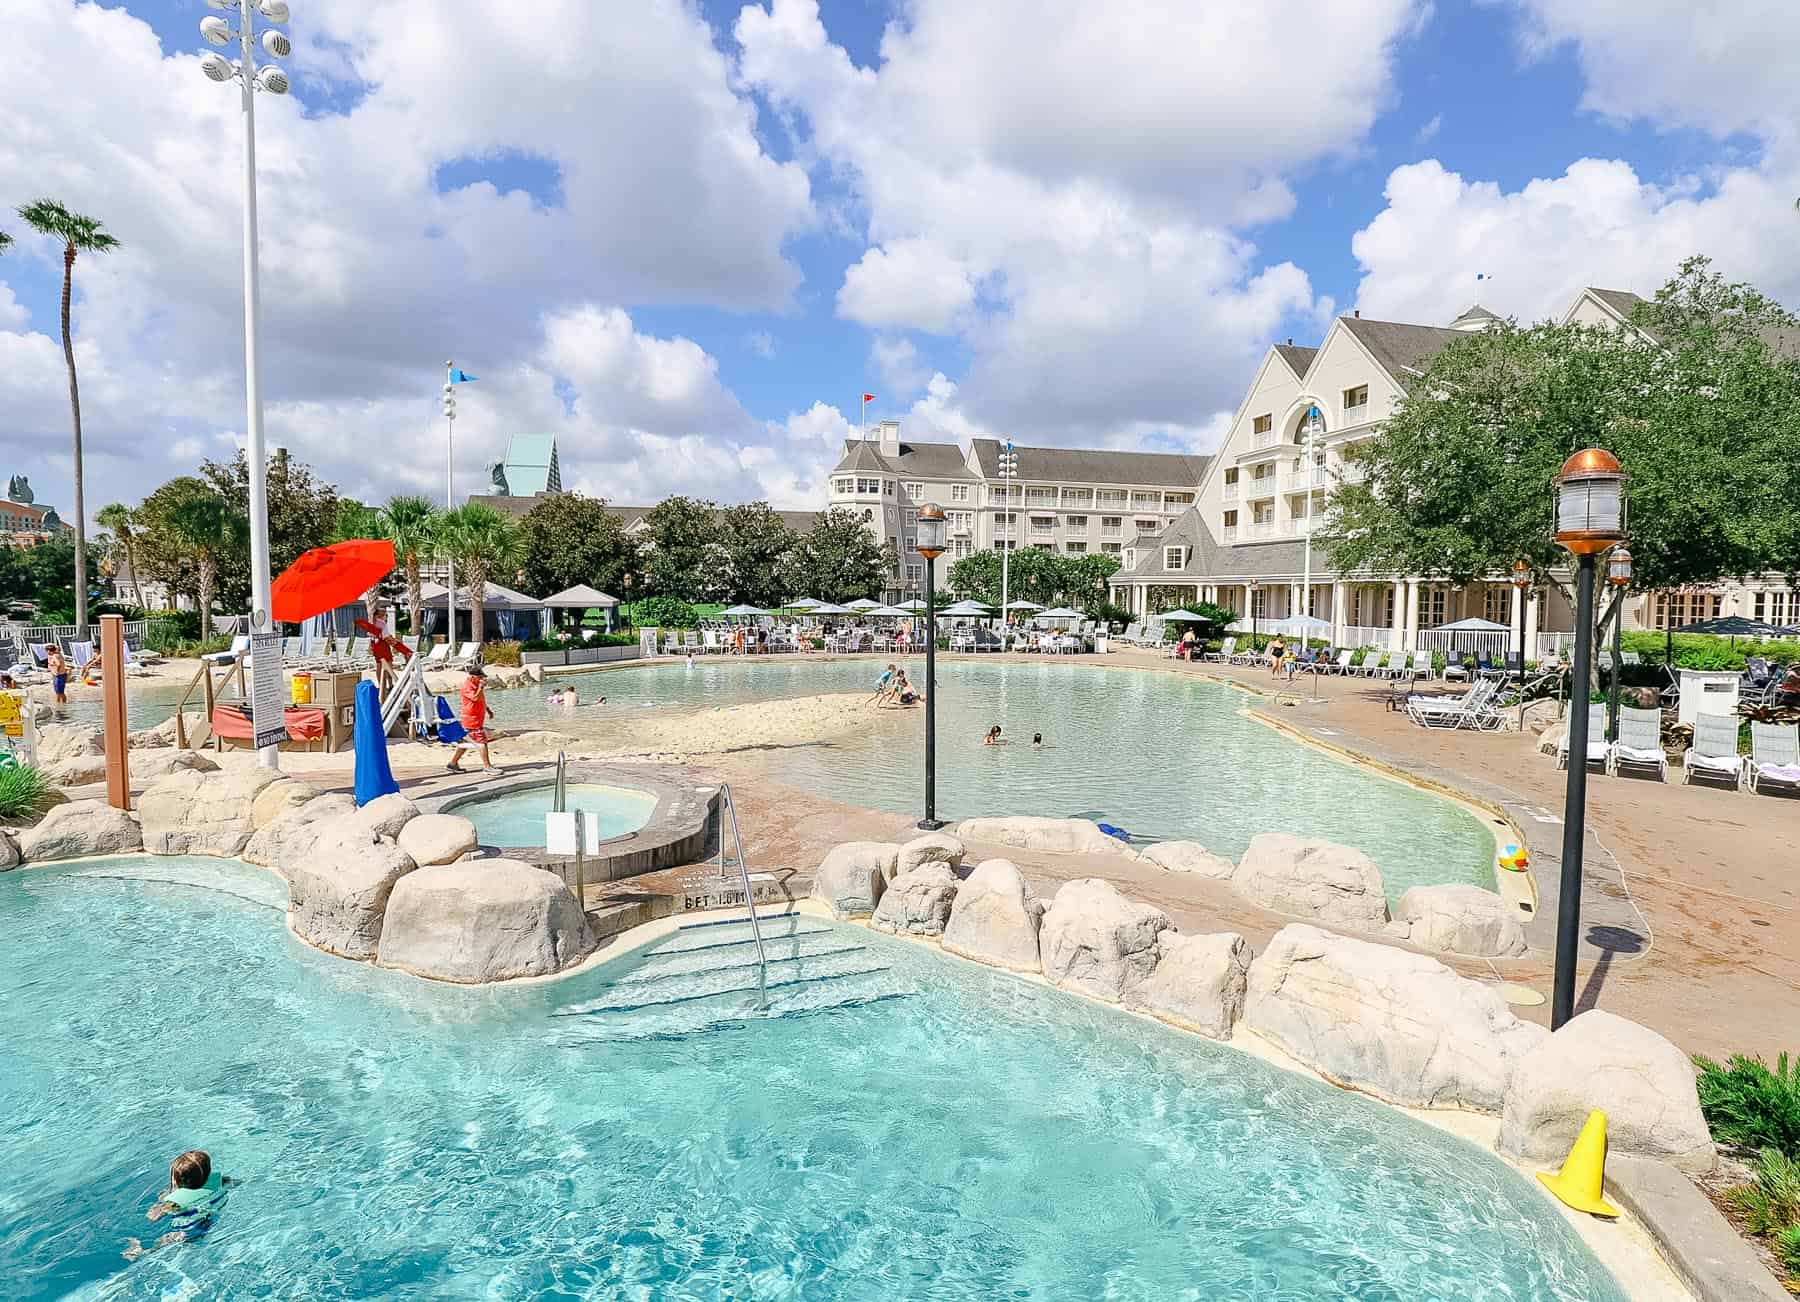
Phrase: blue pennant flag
(460, 376)
(1482, 275)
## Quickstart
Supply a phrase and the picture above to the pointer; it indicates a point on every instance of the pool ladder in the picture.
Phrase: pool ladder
(727, 808)
(561, 802)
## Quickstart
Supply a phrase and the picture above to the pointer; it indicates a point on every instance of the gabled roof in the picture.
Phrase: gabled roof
(1476, 316)
(920, 460)
(1783, 340)
(1083, 466)
(1208, 561)
(1402, 350)
(1298, 358)
(1619, 300)
(515, 507)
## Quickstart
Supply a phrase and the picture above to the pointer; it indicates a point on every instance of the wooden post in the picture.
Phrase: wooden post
(112, 689)
(211, 701)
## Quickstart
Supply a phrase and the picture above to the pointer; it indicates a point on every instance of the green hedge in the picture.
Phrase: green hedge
(580, 643)
(1703, 651)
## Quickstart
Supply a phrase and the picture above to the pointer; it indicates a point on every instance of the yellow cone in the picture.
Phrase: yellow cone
(1578, 1183)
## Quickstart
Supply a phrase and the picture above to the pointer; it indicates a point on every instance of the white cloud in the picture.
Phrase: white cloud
(896, 358)
(1598, 223)
(1056, 185)
(13, 315)
(762, 343)
(1722, 68)
(370, 276)
(1428, 132)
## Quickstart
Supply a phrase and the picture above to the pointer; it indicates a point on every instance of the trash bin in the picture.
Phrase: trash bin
(302, 692)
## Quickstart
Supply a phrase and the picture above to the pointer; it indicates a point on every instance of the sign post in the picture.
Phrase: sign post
(112, 691)
(268, 710)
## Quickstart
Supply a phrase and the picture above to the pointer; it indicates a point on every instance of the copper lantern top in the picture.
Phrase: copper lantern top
(1590, 502)
(1590, 461)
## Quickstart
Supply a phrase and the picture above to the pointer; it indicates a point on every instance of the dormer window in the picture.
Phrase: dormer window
(1355, 398)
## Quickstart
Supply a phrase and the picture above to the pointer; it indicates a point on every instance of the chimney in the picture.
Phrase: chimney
(1357, 313)
(887, 432)
(1290, 341)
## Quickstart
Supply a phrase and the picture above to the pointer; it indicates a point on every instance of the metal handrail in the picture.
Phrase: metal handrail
(561, 802)
(762, 958)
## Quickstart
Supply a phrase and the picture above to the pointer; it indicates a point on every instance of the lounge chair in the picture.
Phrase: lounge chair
(1378, 665)
(438, 657)
(1639, 742)
(1470, 709)
(1597, 745)
(1774, 757)
(1420, 666)
(239, 646)
(1226, 650)
(1342, 664)
(1456, 669)
(470, 654)
(690, 640)
(1714, 753)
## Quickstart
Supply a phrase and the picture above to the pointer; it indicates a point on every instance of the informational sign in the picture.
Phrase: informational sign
(267, 681)
(647, 642)
(12, 714)
(18, 735)
(562, 833)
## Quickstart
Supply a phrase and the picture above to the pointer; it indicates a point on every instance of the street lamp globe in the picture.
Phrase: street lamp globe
(1590, 502)
(931, 531)
(1618, 567)
(1521, 575)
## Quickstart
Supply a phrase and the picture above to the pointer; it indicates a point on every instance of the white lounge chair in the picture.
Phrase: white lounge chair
(1467, 710)
(1341, 665)
(239, 645)
(438, 656)
(1226, 650)
(1639, 742)
(1597, 745)
(469, 654)
(1714, 753)
(1774, 757)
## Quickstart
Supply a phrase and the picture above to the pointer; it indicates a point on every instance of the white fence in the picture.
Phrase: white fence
(24, 636)
(1365, 635)
(1466, 642)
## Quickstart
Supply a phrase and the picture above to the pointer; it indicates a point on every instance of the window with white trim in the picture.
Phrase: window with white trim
(1496, 604)
(1076, 522)
(915, 573)
(1112, 548)
(1355, 398)
(959, 492)
(1262, 424)
(1174, 557)
(1075, 548)
(915, 491)
(1431, 612)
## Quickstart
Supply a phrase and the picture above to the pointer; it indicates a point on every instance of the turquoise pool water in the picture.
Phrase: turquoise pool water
(517, 818)
(967, 1136)
(1161, 755)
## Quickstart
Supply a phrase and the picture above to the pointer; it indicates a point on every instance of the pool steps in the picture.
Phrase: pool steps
(703, 978)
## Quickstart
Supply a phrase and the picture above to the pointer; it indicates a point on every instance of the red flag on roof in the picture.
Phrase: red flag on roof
(868, 397)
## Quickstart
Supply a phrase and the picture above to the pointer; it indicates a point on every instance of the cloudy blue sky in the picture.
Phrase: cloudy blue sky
(685, 236)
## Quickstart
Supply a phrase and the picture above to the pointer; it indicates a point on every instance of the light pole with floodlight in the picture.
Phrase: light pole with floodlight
(270, 77)
(931, 546)
(450, 494)
(1590, 520)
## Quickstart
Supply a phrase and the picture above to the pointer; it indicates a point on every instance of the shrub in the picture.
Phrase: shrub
(1748, 1106)
(500, 653)
(665, 612)
(24, 793)
(1770, 1206)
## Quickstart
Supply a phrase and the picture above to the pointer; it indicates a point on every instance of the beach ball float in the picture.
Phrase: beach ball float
(1514, 858)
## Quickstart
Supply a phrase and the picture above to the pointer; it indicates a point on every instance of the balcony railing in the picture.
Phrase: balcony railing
(1263, 528)
(1231, 533)
(1229, 492)
(1260, 486)
(1300, 480)
(1112, 531)
(1267, 439)
(1146, 501)
(1040, 497)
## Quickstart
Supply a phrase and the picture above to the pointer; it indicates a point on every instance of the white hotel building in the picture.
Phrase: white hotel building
(1233, 528)
(1061, 499)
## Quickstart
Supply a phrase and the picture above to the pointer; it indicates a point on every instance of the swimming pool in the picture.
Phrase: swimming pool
(517, 818)
(968, 1135)
(1162, 755)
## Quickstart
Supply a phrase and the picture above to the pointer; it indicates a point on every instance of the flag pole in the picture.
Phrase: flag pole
(450, 504)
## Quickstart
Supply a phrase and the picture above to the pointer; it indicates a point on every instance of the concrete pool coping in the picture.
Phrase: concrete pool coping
(677, 831)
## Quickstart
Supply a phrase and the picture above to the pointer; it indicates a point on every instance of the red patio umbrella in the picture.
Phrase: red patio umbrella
(328, 577)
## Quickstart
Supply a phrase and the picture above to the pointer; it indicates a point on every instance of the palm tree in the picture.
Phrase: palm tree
(409, 523)
(480, 541)
(79, 234)
(207, 526)
(5, 241)
(116, 516)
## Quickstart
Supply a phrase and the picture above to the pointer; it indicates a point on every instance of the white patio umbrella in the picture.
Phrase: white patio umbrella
(1302, 625)
(1180, 615)
(805, 603)
(887, 612)
(966, 608)
(1061, 612)
(863, 603)
(742, 612)
(829, 609)
(1473, 626)
(1022, 604)
(913, 607)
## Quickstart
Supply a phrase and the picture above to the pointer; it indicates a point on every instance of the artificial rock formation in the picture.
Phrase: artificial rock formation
(202, 813)
(77, 771)
(994, 919)
(917, 903)
(57, 742)
(1189, 857)
(438, 838)
(338, 890)
(9, 852)
(153, 766)
(1643, 1083)
(1099, 941)
(1055, 835)
(1459, 918)
(387, 815)
(1398, 1025)
(932, 847)
(289, 833)
(482, 920)
(1198, 982)
(1333, 885)
(853, 875)
(80, 828)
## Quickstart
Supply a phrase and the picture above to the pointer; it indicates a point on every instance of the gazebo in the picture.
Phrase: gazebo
(503, 609)
(582, 597)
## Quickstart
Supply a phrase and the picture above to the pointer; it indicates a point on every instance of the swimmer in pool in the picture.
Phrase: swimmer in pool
(993, 736)
(196, 1193)
(1037, 739)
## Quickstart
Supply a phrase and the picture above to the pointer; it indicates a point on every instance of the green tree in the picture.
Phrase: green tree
(1700, 410)
(481, 543)
(838, 559)
(79, 234)
(354, 520)
(680, 534)
(42, 576)
(410, 523)
(1084, 579)
(976, 576)
(755, 542)
(165, 557)
(116, 516)
(302, 515)
(569, 539)
(209, 528)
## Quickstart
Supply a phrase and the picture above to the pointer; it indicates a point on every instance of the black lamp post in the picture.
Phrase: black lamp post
(931, 546)
(1618, 577)
(1590, 520)
(1250, 601)
(1521, 580)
